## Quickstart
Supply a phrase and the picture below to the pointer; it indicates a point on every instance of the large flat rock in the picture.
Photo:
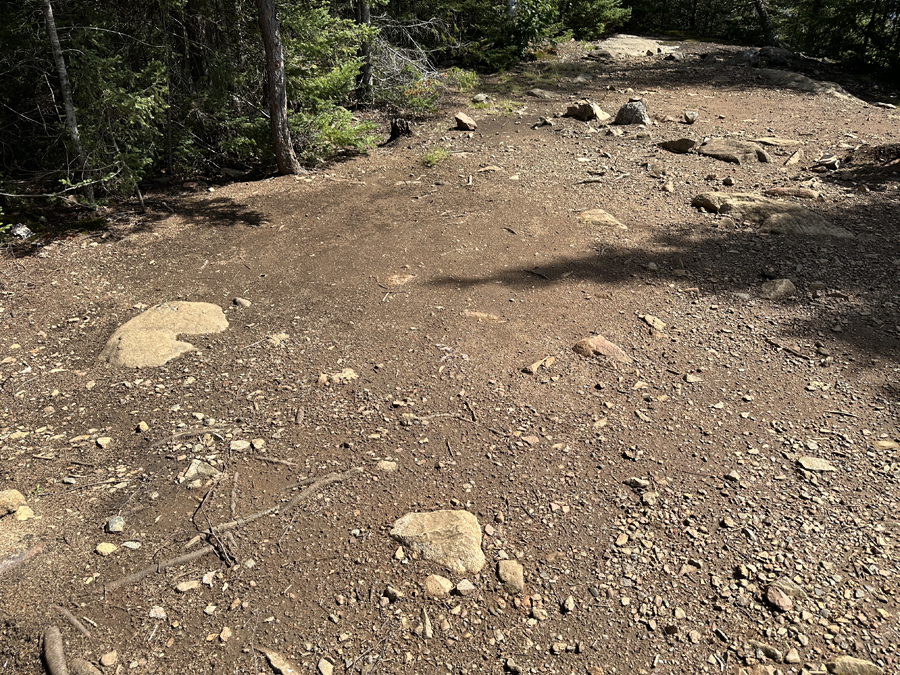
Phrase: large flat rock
(621, 46)
(151, 338)
(449, 538)
(736, 152)
(772, 215)
(790, 80)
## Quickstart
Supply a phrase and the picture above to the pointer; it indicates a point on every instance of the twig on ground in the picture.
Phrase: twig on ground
(8, 563)
(234, 495)
(159, 567)
(304, 494)
(274, 460)
(189, 432)
(72, 620)
(54, 656)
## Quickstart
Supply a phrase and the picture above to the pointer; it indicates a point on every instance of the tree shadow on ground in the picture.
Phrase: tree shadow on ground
(846, 296)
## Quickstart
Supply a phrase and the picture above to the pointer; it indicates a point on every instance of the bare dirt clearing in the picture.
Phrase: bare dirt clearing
(671, 510)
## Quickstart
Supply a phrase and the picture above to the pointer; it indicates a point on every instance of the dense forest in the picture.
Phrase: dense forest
(97, 96)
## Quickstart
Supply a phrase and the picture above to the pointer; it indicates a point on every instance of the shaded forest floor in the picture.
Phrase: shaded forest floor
(437, 286)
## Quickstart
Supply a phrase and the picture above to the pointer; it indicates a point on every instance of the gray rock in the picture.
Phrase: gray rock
(675, 56)
(325, 667)
(115, 524)
(437, 586)
(541, 93)
(771, 215)
(242, 302)
(736, 152)
(586, 111)
(789, 588)
(847, 665)
(21, 231)
(151, 338)
(830, 162)
(748, 57)
(691, 116)
(791, 80)
(10, 501)
(633, 112)
(766, 650)
(680, 146)
(512, 574)
(777, 289)
(200, 469)
(775, 56)
(449, 538)
(481, 98)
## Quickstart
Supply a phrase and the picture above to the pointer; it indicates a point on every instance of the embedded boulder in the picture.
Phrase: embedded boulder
(771, 215)
(151, 338)
(450, 538)
(736, 152)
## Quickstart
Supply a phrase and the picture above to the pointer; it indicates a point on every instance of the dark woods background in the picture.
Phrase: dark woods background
(180, 86)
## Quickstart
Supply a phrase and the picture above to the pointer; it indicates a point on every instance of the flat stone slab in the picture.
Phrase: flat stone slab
(789, 80)
(735, 152)
(772, 215)
(449, 538)
(624, 46)
(600, 217)
(151, 338)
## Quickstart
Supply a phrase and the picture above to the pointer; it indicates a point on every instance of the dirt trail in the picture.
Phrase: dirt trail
(660, 509)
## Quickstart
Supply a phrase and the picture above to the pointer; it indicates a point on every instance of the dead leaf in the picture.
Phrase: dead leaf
(399, 279)
(544, 363)
(481, 316)
(600, 346)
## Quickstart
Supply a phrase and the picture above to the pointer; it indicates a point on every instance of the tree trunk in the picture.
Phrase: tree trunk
(364, 18)
(66, 87)
(277, 80)
(511, 8)
(763, 12)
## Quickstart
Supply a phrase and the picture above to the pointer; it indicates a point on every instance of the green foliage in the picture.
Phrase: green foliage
(590, 19)
(462, 80)
(435, 156)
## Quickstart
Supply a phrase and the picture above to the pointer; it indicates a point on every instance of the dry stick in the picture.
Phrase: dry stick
(54, 656)
(304, 494)
(159, 567)
(274, 460)
(234, 495)
(187, 432)
(72, 620)
(8, 563)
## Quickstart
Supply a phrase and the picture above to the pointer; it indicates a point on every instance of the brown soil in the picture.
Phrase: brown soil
(437, 286)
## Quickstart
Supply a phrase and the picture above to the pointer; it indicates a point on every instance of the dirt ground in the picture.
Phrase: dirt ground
(437, 286)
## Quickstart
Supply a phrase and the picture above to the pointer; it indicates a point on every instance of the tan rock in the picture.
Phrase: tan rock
(82, 667)
(109, 659)
(24, 512)
(10, 501)
(600, 217)
(449, 538)
(151, 338)
(386, 466)
(771, 215)
(597, 345)
(847, 665)
(464, 122)
(105, 548)
(512, 574)
(437, 586)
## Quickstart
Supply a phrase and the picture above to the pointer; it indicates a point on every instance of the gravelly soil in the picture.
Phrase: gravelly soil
(437, 287)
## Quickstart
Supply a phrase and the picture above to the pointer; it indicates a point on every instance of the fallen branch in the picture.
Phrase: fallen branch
(54, 656)
(274, 460)
(8, 563)
(159, 567)
(303, 495)
(72, 620)
(189, 432)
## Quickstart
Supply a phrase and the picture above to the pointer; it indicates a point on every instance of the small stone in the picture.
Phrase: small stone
(680, 146)
(242, 302)
(103, 442)
(23, 513)
(847, 665)
(539, 613)
(325, 667)
(481, 98)
(109, 659)
(633, 112)
(650, 498)
(679, 614)
(258, 443)
(399, 554)
(81, 667)
(115, 524)
(427, 629)
(728, 180)
(437, 586)
(142, 427)
(186, 586)
(200, 469)
(768, 651)
(225, 634)
(637, 483)
(449, 538)
(777, 289)
(240, 446)
(691, 116)
(105, 548)
(392, 594)
(464, 122)
(465, 587)
(793, 656)
(513, 667)
(157, 612)
(815, 464)
(512, 574)
(386, 466)
(210, 610)
(733, 476)
(779, 599)
(569, 605)
(585, 111)
(10, 501)
(132, 545)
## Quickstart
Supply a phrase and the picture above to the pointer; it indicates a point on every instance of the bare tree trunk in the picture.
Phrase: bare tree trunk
(763, 12)
(66, 87)
(511, 8)
(278, 111)
(364, 18)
